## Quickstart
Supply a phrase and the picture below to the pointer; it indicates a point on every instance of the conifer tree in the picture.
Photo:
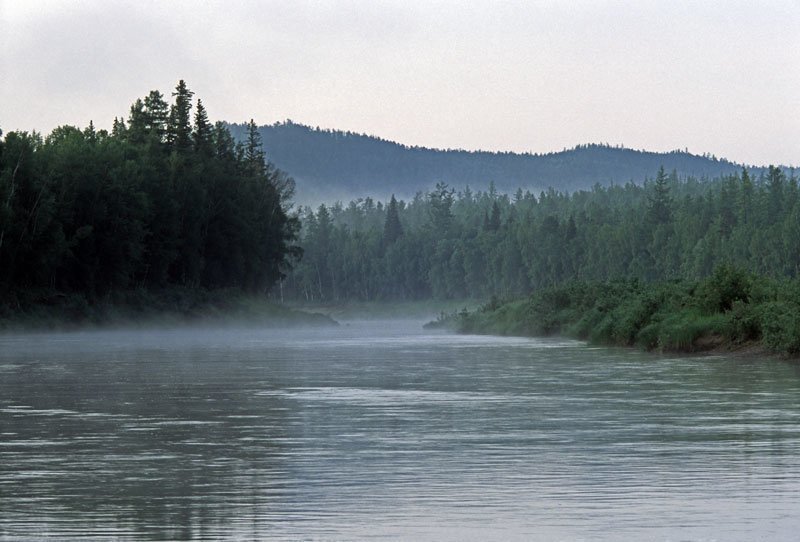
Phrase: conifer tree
(392, 229)
(137, 122)
(203, 134)
(90, 134)
(441, 203)
(224, 144)
(254, 156)
(156, 115)
(746, 198)
(776, 182)
(86, 214)
(179, 130)
(494, 218)
(118, 129)
(660, 203)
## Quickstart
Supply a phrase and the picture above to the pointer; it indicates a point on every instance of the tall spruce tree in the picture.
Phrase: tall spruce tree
(392, 229)
(118, 129)
(224, 144)
(494, 218)
(254, 156)
(179, 129)
(660, 202)
(203, 135)
(156, 115)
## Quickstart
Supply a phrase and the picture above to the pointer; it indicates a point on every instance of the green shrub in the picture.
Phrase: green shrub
(603, 331)
(723, 288)
(745, 322)
(680, 315)
(647, 338)
(586, 324)
(632, 316)
(780, 325)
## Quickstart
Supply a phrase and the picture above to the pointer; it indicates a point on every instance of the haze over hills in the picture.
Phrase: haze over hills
(330, 164)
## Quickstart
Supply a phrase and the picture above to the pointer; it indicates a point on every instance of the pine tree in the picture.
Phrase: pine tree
(776, 182)
(137, 122)
(660, 202)
(179, 130)
(746, 198)
(727, 206)
(118, 129)
(441, 202)
(254, 157)
(203, 135)
(494, 218)
(392, 229)
(224, 144)
(156, 115)
(90, 134)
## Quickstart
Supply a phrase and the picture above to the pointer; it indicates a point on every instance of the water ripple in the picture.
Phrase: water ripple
(380, 431)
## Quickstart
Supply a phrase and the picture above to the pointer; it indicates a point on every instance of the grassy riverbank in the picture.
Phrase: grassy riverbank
(44, 310)
(730, 309)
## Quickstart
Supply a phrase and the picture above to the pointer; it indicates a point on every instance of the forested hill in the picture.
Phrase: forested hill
(330, 165)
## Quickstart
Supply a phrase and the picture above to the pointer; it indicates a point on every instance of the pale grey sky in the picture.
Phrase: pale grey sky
(712, 76)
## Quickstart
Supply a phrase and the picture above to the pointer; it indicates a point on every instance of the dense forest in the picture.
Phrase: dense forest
(165, 200)
(456, 245)
(330, 165)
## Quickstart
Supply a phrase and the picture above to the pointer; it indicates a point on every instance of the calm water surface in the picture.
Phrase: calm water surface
(379, 430)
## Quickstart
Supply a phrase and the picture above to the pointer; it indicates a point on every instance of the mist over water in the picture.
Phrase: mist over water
(378, 429)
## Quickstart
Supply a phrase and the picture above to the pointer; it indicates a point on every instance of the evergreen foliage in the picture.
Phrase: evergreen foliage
(202, 136)
(156, 204)
(179, 130)
(392, 228)
(483, 244)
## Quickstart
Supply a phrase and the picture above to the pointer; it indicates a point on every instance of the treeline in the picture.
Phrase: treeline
(335, 164)
(166, 199)
(450, 245)
(730, 308)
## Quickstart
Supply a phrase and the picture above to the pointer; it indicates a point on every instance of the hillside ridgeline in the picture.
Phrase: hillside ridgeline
(329, 165)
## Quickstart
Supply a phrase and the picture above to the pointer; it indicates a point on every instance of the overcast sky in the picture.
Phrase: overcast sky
(721, 77)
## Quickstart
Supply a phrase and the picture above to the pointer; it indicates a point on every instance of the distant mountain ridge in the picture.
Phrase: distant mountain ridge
(330, 164)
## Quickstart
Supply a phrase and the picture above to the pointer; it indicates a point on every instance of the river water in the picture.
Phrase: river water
(380, 430)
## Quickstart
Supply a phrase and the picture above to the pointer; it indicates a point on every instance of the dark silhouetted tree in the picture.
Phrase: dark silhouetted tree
(179, 128)
(392, 229)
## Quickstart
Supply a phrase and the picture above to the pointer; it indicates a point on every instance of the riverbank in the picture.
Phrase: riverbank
(367, 310)
(730, 311)
(46, 310)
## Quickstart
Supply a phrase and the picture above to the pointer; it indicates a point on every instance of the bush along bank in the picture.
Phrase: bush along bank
(731, 308)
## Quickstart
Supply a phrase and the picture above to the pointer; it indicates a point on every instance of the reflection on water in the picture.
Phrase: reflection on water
(381, 430)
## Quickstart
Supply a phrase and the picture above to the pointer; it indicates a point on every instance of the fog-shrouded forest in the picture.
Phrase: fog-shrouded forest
(331, 165)
(166, 199)
(449, 244)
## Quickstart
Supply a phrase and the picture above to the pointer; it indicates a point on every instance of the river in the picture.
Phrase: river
(380, 430)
